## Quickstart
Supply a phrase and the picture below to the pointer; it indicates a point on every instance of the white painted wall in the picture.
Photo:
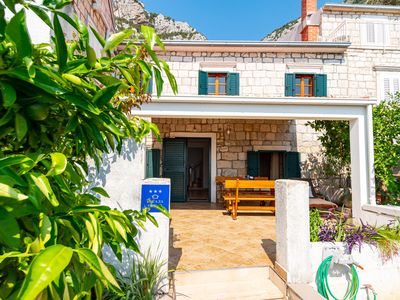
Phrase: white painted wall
(293, 229)
(121, 176)
(380, 214)
(384, 276)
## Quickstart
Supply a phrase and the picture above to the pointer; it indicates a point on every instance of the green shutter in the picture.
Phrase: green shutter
(150, 87)
(233, 84)
(320, 85)
(203, 83)
(152, 163)
(289, 85)
(253, 163)
(174, 167)
(292, 165)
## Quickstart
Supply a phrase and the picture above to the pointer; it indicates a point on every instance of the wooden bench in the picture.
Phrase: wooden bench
(248, 190)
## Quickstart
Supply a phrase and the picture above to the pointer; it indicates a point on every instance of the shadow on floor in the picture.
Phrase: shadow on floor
(269, 247)
(175, 254)
(194, 205)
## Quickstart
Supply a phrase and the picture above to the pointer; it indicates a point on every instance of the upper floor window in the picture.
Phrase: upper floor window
(374, 32)
(389, 84)
(213, 83)
(305, 85)
(217, 83)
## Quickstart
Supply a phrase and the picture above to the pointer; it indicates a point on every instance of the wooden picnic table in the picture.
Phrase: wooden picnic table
(249, 190)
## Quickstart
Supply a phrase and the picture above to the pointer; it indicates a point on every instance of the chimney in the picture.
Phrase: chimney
(310, 31)
(308, 7)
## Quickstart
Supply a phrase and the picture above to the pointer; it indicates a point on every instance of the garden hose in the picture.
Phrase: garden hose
(323, 286)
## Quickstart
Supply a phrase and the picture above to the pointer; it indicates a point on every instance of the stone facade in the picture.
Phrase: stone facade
(234, 138)
(261, 74)
(97, 13)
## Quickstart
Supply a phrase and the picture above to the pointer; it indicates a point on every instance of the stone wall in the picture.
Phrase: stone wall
(102, 18)
(261, 74)
(232, 147)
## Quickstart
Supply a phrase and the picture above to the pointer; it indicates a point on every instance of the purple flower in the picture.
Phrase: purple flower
(357, 235)
(327, 233)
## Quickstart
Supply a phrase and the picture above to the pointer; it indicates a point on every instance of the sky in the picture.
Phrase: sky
(231, 19)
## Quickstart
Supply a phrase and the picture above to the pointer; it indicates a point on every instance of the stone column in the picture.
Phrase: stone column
(293, 248)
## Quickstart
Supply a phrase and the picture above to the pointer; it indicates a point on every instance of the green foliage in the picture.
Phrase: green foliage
(146, 279)
(335, 140)
(59, 106)
(315, 223)
(388, 239)
(386, 118)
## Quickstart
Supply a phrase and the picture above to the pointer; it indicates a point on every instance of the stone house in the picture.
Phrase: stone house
(336, 53)
(96, 13)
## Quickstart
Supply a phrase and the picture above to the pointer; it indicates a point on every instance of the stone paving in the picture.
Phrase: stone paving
(204, 237)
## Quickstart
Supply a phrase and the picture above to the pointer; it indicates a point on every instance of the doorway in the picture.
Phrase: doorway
(186, 161)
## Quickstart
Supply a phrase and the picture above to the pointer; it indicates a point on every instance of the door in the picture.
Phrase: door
(198, 169)
(174, 167)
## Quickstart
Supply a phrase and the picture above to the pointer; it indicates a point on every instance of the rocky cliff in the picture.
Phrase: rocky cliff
(132, 14)
(281, 31)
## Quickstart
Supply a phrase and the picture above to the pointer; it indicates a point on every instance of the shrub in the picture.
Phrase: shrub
(61, 104)
(335, 140)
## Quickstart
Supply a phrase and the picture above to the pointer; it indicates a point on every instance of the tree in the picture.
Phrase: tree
(335, 141)
(60, 105)
(374, 2)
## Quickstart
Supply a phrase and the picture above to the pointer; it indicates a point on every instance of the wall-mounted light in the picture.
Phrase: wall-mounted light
(228, 131)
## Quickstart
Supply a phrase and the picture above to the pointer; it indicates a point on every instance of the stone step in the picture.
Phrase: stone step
(221, 275)
(240, 283)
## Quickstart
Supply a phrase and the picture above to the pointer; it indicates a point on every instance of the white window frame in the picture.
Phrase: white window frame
(376, 21)
(392, 76)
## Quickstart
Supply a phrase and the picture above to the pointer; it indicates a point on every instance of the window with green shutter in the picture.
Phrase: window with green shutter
(213, 83)
(305, 85)
(273, 164)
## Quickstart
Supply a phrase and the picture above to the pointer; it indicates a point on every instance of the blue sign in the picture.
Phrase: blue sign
(155, 194)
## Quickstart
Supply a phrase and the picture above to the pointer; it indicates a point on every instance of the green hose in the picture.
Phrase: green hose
(323, 286)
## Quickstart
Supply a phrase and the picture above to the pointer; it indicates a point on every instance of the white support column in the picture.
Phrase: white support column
(362, 169)
(293, 247)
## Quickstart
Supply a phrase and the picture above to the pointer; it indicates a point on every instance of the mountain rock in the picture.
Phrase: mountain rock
(280, 32)
(132, 14)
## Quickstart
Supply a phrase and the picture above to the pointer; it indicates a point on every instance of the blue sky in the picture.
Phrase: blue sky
(231, 19)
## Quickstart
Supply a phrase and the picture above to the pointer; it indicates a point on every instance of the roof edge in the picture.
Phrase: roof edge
(341, 7)
(256, 46)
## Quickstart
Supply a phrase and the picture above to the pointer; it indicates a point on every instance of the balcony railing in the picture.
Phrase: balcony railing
(339, 34)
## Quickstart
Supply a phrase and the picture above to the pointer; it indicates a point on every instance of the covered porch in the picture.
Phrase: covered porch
(237, 126)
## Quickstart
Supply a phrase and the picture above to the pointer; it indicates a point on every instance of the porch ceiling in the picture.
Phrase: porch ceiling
(255, 108)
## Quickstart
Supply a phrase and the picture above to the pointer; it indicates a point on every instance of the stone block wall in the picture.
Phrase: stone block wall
(261, 74)
(102, 18)
(234, 138)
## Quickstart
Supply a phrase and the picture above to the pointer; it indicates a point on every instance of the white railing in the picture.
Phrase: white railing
(339, 34)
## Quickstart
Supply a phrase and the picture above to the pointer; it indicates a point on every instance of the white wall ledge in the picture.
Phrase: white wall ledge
(326, 101)
(388, 210)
